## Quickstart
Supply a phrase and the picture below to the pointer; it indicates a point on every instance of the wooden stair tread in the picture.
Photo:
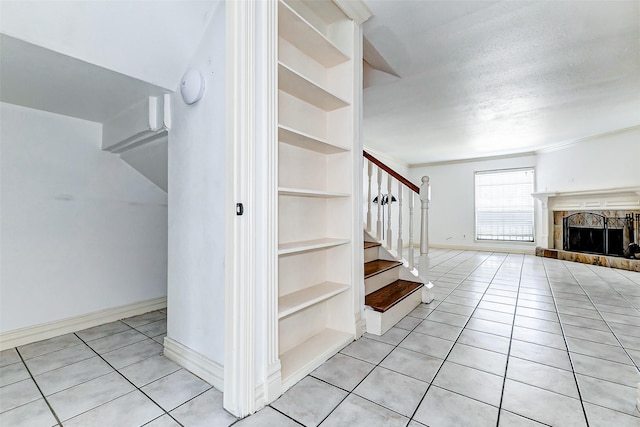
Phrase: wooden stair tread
(385, 298)
(372, 268)
(368, 245)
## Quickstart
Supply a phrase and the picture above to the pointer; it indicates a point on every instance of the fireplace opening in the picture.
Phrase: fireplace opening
(586, 240)
(593, 233)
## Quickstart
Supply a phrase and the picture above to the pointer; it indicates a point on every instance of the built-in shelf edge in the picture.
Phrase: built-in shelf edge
(301, 192)
(300, 139)
(299, 300)
(309, 245)
(297, 85)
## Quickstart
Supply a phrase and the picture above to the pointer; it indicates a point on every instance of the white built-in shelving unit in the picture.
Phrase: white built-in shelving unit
(316, 195)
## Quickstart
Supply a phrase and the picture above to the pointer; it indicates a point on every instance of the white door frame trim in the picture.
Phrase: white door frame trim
(239, 351)
(267, 222)
(252, 365)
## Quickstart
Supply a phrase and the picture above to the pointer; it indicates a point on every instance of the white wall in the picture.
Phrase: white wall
(81, 230)
(451, 210)
(608, 161)
(196, 204)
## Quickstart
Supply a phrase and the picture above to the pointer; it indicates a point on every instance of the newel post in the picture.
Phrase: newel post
(411, 244)
(423, 263)
(369, 174)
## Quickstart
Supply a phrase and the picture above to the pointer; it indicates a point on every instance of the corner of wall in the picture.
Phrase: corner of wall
(202, 366)
(196, 186)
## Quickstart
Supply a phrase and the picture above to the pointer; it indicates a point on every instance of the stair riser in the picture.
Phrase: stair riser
(381, 280)
(379, 323)
(371, 254)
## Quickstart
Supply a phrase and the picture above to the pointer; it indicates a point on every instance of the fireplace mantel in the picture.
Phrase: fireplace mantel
(627, 198)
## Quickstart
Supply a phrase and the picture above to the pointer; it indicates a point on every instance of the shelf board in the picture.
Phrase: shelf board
(299, 139)
(310, 245)
(296, 301)
(301, 192)
(302, 88)
(305, 357)
(300, 33)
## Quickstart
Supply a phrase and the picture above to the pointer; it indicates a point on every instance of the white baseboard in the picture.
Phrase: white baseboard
(526, 250)
(272, 388)
(361, 324)
(207, 369)
(22, 336)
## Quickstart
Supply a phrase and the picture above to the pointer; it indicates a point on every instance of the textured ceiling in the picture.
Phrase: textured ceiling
(484, 78)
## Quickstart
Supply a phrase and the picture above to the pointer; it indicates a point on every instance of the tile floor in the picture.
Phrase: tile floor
(510, 340)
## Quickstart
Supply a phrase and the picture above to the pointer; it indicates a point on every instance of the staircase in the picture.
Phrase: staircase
(391, 291)
(394, 284)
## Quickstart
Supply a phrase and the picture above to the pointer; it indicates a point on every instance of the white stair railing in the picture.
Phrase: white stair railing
(390, 214)
(423, 263)
(400, 245)
(379, 201)
(411, 243)
(369, 173)
(389, 211)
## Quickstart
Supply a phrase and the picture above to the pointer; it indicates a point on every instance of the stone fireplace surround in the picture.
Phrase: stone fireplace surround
(555, 205)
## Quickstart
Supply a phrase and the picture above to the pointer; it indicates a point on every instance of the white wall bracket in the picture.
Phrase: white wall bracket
(139, 124)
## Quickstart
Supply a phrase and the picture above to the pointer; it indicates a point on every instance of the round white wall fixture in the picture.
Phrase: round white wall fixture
(192, 86)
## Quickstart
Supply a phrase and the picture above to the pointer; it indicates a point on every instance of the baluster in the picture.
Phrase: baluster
(369, 173)
(379, 218)
(423, 262)
(389, 199)
(424, 216)
(411, 255)
(400, 220)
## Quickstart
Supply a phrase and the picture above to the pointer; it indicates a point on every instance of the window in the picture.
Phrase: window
(504, 205)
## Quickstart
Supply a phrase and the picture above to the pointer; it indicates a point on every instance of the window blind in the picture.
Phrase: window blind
(504, 205)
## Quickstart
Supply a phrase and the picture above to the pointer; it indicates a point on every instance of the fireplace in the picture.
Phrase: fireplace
(586, 231)
(595, 233)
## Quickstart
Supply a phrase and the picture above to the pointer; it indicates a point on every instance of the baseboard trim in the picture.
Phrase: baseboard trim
(271, 389)
(43, 331)
(501, 249)
(361, 324)
(207, 369)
